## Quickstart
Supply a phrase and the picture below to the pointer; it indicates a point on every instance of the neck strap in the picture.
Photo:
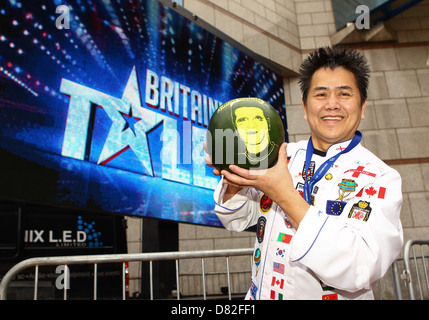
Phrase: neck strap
(321, 171)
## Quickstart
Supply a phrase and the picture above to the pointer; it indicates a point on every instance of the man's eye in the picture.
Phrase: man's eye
(321, 95)
(258, 118)
(241, 119)
(344, 94)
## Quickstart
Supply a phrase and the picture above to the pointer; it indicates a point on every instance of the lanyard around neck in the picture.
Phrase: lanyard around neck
(309, 183)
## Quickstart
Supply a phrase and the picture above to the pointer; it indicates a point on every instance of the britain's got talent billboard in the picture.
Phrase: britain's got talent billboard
(104, 105)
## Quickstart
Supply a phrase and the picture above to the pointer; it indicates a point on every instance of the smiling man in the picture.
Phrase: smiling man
(327, 214)
(334, 107)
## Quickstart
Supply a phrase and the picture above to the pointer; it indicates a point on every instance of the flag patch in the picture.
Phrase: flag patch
(279, 267)
(335, 208)
(332, 296)
(285, 238)
(276, 295)
(277, 283)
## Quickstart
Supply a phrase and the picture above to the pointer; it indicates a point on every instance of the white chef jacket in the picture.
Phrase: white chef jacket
(347, 240)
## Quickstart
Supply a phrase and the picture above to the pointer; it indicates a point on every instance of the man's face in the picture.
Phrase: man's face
(333, 108)
(253, 128)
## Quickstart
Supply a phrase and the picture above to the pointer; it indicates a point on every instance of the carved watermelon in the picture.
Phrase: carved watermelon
(247, 132)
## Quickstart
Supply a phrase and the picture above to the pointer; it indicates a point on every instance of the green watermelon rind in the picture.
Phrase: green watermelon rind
(217, 122)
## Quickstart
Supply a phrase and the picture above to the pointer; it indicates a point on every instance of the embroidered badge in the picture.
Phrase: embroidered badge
(335, 208)
(310, 171)
(359, 170)
(277, 283)
(287, 223)
(360, 211)
(300, 188)
(280, 252)
(346, 186)
(279, 267)
(257, 257)
(260, 230)
(379, 193)
(315, 189)
(253, 290)
(285, 238)
(274, 295)
(265, 203)
(332, 296)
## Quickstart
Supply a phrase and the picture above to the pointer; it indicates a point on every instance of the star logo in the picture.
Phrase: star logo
(130, 121)
(127, 131)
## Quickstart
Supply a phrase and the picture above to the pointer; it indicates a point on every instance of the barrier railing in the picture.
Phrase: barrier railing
(415, 276)
(414, 264)
(121, 258)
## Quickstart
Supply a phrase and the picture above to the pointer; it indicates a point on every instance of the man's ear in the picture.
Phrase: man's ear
(305, 109)
(362, 116)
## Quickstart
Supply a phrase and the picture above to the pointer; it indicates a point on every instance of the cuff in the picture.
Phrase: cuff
(233, 204)
(308, 232)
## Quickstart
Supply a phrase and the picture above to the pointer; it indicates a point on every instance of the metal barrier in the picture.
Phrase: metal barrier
(413, 276)
(406, 274)
(121, 258)
(414, 265)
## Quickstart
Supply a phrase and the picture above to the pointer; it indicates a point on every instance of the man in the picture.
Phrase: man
(327, 213)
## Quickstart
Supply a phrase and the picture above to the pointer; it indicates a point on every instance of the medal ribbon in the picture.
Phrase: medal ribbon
(309, 183)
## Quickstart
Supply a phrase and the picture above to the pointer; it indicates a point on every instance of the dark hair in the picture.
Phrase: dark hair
(334, 57)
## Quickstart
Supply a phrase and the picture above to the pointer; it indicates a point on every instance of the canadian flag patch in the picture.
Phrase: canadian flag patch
(277, 283)
(372, 192)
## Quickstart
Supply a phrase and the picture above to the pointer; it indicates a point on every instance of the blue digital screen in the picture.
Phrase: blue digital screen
(104, 106)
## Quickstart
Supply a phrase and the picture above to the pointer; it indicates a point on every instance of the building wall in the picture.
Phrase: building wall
(396, 125)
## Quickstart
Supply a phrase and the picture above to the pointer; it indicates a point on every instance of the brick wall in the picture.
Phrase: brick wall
(396, 127)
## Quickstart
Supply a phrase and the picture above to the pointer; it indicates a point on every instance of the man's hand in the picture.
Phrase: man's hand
(273, 181)
(276, 182)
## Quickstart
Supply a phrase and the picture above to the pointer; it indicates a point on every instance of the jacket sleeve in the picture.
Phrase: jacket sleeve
(238, 213)
(346, 251)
